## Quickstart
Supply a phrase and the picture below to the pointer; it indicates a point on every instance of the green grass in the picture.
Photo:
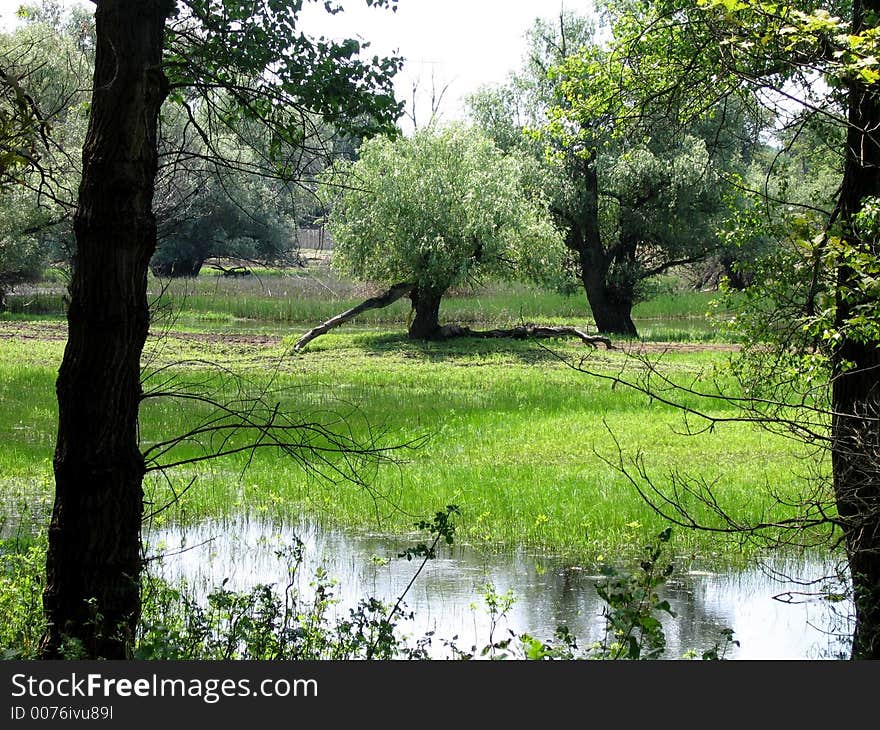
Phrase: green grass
(36, 304)
(304, 299)
(511, 434)
(677, 305)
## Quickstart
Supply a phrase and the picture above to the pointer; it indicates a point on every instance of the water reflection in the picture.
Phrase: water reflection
(446, 598)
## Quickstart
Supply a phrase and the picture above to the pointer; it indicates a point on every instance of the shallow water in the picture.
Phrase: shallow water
(447, 598)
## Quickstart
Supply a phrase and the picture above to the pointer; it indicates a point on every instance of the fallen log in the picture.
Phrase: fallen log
(448, 332)
(525, 332)
(232, 271)
(377, 302)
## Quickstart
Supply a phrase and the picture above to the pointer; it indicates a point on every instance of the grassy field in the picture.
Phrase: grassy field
(506, 430)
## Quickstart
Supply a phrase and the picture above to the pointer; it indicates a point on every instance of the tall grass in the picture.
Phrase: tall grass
(293, 301)
(37, 303)
(675, 305)
(308, 297)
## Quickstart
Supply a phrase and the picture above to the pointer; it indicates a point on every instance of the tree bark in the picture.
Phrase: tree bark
(426, 323)
(612, 311)
(178, 269)
(93, 565)
(856, 370)
(856, 469)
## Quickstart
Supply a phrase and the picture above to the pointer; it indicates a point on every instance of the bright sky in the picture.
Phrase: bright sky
(461, 43)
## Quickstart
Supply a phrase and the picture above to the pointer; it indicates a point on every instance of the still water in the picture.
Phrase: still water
(447, 596)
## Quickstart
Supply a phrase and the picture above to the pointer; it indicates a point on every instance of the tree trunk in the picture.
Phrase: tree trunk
(524, 332)
(612, 312)
(93, 565)
(382, 300)
(856, 364)
(426, 323)
(856, 469)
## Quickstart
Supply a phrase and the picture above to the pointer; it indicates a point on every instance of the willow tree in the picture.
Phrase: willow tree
(144, 50)
(437, 210)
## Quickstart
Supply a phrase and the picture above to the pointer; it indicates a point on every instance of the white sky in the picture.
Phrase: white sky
(462, 43)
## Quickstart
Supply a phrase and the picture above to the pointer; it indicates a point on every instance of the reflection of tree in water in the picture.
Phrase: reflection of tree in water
(566, 596)
(549, 592)
(822, 591)
(698, 625)
(751, 602)
(563, 596)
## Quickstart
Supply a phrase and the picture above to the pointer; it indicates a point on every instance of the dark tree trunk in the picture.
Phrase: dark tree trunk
(612, 312)
(856, 385)
(523, 332)
(856, 468)
(612, 309)
(426, 322)
(93, 563)
(614, 318)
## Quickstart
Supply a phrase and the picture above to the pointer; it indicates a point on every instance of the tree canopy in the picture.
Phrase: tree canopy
(636, 194)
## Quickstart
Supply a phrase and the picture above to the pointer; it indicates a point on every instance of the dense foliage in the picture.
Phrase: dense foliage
(43, 95)
(635, 194)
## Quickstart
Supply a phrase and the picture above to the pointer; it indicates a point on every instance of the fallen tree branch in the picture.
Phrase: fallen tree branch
(232, 270)
(448, 332)
(378, 302)
(525, 332)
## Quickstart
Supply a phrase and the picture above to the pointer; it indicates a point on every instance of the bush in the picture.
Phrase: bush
(21, 598)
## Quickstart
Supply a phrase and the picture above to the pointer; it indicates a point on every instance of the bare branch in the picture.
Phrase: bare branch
(378, 302)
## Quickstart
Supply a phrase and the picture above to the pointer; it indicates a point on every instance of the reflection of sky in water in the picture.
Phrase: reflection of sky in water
(548, 593)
